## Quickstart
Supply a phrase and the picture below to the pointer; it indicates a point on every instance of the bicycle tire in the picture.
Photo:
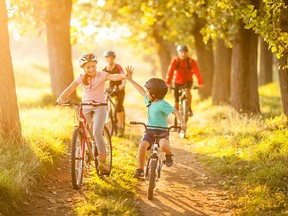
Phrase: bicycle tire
(109, 157)
(123, 126)
(114, 122)
(152, 177)
(185, 110)
(109, 122)
(76, 160)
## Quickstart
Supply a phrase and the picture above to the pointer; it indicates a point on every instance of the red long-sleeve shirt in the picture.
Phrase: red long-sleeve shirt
(182, 72)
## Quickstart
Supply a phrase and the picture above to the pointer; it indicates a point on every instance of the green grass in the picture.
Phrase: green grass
(249, 155)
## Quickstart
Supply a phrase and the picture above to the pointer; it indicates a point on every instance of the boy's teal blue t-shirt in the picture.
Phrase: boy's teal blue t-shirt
(158, 112)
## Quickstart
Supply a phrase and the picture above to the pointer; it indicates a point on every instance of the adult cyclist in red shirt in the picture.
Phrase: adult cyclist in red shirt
(184, 67)
(114, 68)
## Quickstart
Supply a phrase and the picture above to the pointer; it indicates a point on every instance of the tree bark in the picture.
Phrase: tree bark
(283, 63)
(222, 74)
(204, 59)
(162, 51)
(10, 125)
(244, 84)
(283, 80)
(59, 47)
(266, 63)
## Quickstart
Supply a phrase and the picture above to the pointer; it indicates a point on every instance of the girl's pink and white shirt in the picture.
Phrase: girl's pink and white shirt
(95, 90)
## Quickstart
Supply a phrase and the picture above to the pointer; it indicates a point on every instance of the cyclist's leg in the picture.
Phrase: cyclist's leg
(99, 118)
(88, 113)
(176, 103)
(176, 96)
(165, 145)
(144, 145)
(142, 150)
(188, 87)
(166, 148)
(120, 111)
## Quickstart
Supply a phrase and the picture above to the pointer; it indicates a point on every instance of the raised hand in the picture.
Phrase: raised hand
(129, 74)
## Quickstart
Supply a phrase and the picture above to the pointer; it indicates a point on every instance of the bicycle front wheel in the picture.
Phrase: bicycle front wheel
(110, 122)
(77, 158)
(108, 146)
(152, 169)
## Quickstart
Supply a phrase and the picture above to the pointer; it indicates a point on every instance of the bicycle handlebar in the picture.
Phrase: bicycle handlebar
(183, 87)
(76, 103)
(166, 128)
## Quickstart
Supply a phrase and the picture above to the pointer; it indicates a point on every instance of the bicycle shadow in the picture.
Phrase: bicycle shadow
(184, 189)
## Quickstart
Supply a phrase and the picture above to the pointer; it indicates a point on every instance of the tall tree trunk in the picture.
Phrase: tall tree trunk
(222, 74)
(283, 63)
(283, 80)
(162, 51)
(266, 63)
(59, 47)
(244, 84)
(204, 59)
(10, 126)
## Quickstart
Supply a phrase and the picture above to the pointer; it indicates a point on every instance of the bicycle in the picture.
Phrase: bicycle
(183, 103)
(83, 147)
(112, 121)
(154, 163)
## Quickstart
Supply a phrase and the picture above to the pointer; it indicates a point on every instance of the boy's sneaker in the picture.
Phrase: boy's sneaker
(169, 160)
(103, 167)
(139, 174)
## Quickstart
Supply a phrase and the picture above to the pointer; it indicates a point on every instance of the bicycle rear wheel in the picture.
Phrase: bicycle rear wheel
(152, 176)
(108, 144)
(76, 158)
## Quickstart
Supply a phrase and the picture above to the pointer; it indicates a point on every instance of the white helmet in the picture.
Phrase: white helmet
(87, 57)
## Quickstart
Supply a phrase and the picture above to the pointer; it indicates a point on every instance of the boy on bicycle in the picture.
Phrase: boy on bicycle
(113, 68)
(184, 68)
(158, 111)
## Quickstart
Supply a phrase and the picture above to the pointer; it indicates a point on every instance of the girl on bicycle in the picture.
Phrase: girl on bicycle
(113, 68)
(158, 111)
(93, 83)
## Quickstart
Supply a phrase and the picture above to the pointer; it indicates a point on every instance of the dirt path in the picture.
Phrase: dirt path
(183, 189)
(56, 196)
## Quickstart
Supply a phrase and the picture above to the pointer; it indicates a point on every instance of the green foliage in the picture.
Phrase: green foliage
(249, 154)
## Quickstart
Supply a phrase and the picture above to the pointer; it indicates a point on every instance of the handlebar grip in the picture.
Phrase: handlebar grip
(133, 122)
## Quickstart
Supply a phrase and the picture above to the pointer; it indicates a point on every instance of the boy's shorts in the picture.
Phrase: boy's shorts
(149, 136)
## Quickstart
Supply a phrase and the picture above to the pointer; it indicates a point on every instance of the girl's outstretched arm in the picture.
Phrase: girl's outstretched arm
(138, 87)
(67, 92)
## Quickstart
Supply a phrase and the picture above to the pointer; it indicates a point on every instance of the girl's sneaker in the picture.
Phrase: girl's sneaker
(139, 174)
(103, 167)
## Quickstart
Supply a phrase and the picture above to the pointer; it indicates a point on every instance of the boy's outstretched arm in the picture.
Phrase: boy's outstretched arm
(181, 119)
(139, 88)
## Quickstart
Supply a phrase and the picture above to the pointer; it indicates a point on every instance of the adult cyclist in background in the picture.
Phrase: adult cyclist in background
(113, 68)
(184, 68)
